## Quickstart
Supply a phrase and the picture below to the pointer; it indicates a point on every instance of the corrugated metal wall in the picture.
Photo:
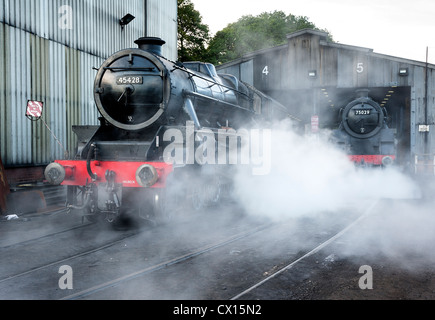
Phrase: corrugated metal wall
(163, 23)
(47, 51)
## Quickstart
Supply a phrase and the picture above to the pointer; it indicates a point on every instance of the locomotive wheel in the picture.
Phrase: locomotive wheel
(214, 191)
(197, 196)
(161, 209)
(204, 194)
(158, 208)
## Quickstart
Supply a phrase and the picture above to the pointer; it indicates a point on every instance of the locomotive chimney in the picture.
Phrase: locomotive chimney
(362, 93)
(151, 44)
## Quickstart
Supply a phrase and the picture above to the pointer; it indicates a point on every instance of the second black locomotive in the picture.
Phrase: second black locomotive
(364, 134)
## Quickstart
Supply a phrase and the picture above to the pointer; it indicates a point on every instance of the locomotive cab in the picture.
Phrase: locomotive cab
(202, 67)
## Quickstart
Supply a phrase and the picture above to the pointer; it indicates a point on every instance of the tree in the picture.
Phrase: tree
(193, 35)
(251, 33)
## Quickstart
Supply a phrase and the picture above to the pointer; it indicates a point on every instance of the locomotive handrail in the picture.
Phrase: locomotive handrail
(277, 104)
(128, 69)
(213, 81)
(201, 96)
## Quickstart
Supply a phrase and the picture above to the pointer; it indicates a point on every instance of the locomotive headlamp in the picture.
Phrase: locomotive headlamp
(386, 161)
(54, 173)
(146, 175)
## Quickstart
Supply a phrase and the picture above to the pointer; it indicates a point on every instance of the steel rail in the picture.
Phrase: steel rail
(68, 258)
(167, 263)
(310, 253)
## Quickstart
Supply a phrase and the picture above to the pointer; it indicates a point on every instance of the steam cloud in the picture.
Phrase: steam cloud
(310, 175)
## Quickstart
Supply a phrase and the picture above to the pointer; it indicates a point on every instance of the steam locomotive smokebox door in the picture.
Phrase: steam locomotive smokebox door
(132, 89)
(363, 118)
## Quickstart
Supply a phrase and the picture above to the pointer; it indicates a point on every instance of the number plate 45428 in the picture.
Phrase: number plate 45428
(129, 80)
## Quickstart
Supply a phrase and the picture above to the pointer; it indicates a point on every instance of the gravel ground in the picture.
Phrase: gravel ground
(340, 280)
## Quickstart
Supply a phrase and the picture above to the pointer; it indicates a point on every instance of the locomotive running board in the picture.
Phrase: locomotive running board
(204, 97)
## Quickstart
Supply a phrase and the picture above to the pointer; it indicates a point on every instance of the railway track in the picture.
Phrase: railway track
(324, 244)
(208, 249)
(168, 263)
(64, 260)
(102, 271)
(22, 252)
(40, 237)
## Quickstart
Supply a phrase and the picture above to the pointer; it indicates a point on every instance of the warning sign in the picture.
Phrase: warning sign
(34, 109)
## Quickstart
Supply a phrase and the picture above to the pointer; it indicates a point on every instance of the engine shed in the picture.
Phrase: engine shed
(314, 78)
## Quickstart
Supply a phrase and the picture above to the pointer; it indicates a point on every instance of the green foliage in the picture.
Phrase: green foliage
(193, 35)
(248, 34)
(251, 33)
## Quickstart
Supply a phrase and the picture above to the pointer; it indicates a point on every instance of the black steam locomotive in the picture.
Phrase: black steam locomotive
(161, 123)
(364, 134)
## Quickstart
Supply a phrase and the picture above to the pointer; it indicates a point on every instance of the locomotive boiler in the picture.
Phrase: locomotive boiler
(155, 117)
(364, 134)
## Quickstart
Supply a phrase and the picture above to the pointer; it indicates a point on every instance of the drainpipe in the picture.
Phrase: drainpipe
(426, 103)
(146, 17)
(430, 161)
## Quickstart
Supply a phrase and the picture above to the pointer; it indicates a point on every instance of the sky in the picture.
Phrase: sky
(400, 28)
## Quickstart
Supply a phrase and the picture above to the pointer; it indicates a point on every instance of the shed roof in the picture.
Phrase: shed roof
(323, 42)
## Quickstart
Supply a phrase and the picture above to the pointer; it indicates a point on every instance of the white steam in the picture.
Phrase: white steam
(309, 174)
(401, 233)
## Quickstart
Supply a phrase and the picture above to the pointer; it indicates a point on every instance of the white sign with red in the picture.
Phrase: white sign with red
(314, 124)
(34, 109)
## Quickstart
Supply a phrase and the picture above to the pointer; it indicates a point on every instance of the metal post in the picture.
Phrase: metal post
(426, 104)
